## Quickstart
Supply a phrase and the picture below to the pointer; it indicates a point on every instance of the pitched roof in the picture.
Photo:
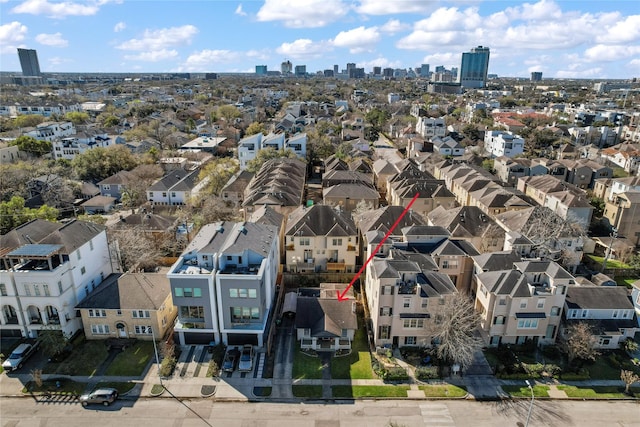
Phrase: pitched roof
(319, 220)
(494, 261)
(506, 282)
(462, 221)
(142, 291)
(355, 191)
(383, 219)
(598, 298)
(326, 317)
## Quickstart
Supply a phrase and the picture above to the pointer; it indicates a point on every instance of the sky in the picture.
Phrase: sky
(562, 39)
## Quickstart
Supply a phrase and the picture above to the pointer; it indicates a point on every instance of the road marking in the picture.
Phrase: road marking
(436, 415)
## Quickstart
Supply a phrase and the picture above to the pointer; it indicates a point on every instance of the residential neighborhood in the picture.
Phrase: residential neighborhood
(308, 229)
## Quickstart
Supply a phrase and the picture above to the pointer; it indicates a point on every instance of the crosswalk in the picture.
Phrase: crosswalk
(436, 414)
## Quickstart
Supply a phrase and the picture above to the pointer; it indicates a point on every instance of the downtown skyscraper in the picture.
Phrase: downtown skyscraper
(29, 62)
(474, 68)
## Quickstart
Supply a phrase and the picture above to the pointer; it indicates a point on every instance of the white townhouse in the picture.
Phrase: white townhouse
(46, 269)
(51, 131)
(500, 143)
(428, 127)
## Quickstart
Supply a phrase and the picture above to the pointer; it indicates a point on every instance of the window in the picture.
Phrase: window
(97, 312)
(523, 303)
(406, 302)
(244, 314)
(118, 312)
(178, 292)
(91, 244)
(164, 194)
(574, 313)
(503, 301)
(173, 194)
(79, 256)
(540, 303)
(143, 330)
(60, 286)
(141, 314)
(384, 332)
(99, 329)
(191, 312)
(555, 311)
(527, 323)
(425, 303)
(387, 290)
(83, 270)
(188, 292)
(625, 313)
(413, 323)
(585, 313)
(3, 289)
(409, 340)
(45, 288)
(253, 293)
(615, 314)
(27, 290)
(305, 241)
(498, 320)
(337, 242)
(242, 293)
(386, 311)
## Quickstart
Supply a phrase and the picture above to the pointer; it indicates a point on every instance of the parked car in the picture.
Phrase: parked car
(246, 358)
(18, 356)
(230, 359)
(105, 396)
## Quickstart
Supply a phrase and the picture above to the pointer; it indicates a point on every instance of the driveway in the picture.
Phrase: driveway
(283, 366)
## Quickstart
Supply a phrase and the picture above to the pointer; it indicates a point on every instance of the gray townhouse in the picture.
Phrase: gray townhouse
(224, 284)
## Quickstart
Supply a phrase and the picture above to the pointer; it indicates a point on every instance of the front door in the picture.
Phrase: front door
(395, 342)
(122, 330)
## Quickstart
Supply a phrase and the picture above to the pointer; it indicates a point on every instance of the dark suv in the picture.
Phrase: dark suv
(106, 396)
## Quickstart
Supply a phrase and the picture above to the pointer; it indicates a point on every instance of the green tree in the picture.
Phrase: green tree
(52, 341)
(343, 150)
(217, 173)
(254, 128)
(31, 145)
(13, 213)
(28, 120)
(377, 118)
(267, 154)
(100, 163)
(229, 112)
(77, 117)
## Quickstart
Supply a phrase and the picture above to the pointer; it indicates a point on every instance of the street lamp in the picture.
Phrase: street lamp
(531, 405)
(155, 350)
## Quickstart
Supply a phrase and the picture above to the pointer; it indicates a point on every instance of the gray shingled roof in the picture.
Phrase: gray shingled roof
(598, 298)
(319, 220)
(325, 317)
(144, 291)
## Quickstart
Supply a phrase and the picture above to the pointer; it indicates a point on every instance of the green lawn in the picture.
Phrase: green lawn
(619, 172)
(84, 360)
(443, 390)
(66, 387)
(524, 391)
(626, 281)
(306, 366)
(348, 391)
(122, 387)
(611, 263)
(307, 391)
(356, 365)
(132, 361)
(598, 392)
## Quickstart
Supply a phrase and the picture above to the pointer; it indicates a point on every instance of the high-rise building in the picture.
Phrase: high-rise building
(536, 76)
(261, 70)
(286, 67)
(474, 68)
(301, 70)
(336, 69)
(29, 62)
(377, 71)
(424, 70)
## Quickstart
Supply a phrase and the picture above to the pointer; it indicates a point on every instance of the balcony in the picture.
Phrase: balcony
(12, 321)
(336, 266)
(351, 248)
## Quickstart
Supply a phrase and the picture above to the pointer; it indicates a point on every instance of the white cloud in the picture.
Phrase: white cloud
(154, 56)
(625, 31)
(57, 10)
(379, 62)
(154, 40)
(388, 7)
(11, 36)
(358, 40)
(239, 10)
(263, 54)
(304, 49)
(306, 14)
(208, 59)
(635, 63)
(542, 11)
(54, 40)
(580, 73)
(394, 26)
(120, 26)
(447, 59)
(608, 53)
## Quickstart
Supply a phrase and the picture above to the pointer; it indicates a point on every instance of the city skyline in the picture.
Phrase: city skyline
(561, 39)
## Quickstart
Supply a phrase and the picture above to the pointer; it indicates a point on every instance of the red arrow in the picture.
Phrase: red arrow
(341, 296)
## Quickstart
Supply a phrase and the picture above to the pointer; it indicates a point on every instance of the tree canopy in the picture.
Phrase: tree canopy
(13, 213)
(268, 154)
(31, 145)
(217, 172)
(100, 163)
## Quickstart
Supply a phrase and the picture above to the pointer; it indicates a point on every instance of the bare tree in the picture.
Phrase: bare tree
(579, 342)
(454, 330)
(629, 377)
(137, 248)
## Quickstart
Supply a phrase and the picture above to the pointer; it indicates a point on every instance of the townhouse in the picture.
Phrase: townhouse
(224, 283)
(320, 239)
(607, 309)
(522, 303)
(131, 305)
(175, 188)
(499, 143)
(47, 268)
(469, 223)
(623, 213)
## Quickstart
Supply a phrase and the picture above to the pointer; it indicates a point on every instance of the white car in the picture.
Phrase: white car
(18, 356)
(246, 358)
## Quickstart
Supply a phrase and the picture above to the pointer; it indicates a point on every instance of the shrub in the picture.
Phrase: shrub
(213, 369)
(167, 366)
(396, 374)
(581, 375)
(427, 373)
(551, 352)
